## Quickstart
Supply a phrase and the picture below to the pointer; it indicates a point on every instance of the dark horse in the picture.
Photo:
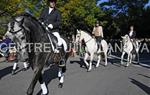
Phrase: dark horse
(23, 29)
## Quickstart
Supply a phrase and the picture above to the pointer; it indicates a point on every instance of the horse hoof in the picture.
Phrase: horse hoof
(126, 65)
(29, 92)
(24, 69)
(60, 85)
(105, 65)
(88, 70)
(96, 66)
(87, 67)
(13, 72)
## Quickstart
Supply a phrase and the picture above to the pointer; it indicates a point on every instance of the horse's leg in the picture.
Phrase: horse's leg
(138, 58)
(98, 61)
(61, 76)
(25, 65)
(43, 85)
(105, 54)
(91, 60)
(129, 60)
(36, 75)
(122, 57)
(14, 67)
(85, 59)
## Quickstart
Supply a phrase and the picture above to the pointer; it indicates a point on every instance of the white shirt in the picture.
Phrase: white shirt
(131, 33)
(50, 10)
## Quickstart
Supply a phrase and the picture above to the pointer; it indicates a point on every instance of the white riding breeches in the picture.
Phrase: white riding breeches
(60, 40)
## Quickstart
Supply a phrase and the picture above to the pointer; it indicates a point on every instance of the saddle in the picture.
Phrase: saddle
(53, 39)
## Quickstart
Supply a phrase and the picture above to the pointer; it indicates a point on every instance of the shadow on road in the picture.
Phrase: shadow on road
(141, 85)
(144, 75)
(5, 71)
(80, 62)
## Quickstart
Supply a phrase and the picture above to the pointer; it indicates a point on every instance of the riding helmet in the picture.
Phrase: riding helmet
(52, 1)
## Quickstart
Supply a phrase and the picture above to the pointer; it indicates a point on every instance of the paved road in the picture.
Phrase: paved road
(111, 80)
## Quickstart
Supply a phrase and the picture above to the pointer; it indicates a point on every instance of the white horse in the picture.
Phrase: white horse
(91, 48)
(128, 48)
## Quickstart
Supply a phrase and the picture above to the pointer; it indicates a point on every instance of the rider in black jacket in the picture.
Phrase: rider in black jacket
(52, 18)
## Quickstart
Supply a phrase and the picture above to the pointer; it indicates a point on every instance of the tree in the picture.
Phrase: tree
(125, 13)
(10, 8)
(80, 14)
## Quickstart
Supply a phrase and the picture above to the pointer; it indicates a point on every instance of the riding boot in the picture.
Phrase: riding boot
(62, 63)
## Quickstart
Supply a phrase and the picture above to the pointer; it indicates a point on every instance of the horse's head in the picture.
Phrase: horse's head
(79, 37)
(15, 29)
(125, 39)
(15, 32)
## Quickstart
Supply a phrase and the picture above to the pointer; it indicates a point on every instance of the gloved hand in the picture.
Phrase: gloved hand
(42, 23)
(50, 26)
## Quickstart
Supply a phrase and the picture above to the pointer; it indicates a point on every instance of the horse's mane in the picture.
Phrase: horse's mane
(25, 14)
(86, 32)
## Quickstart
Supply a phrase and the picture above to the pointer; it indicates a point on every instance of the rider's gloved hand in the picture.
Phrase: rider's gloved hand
(42, 23)
(47, 29)
(50, 26)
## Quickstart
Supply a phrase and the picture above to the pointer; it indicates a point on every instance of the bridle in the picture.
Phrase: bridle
(80, 36)
(15, 32)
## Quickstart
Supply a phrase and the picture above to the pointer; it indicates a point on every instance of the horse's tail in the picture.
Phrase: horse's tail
(104, 46)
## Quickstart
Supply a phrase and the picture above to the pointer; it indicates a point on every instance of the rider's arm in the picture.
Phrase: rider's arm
(57, 23)
(101, 31)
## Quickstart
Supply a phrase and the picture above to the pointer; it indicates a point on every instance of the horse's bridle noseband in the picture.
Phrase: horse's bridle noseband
(15, 32)
(12, 30)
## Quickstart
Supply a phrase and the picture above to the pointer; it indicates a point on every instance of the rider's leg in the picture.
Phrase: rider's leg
(58, 38)
(97, 41)
(59, 41)
(100, 39)
(64, 44)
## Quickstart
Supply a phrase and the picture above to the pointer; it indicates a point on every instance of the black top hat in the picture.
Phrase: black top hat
(52, 1)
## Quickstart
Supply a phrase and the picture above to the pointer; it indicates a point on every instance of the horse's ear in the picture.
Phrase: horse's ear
(77, 31)
(20, 20)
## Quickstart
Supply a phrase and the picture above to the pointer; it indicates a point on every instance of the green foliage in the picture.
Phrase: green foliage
(80, 14)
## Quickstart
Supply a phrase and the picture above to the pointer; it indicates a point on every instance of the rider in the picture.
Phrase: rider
(98, 33)
(52, 17)
(132, 35)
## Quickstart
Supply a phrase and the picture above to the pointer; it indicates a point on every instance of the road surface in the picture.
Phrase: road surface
(111, 80)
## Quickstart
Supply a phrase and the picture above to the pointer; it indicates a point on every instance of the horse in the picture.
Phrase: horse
(130, 49)
(91, 48)
(36, 45)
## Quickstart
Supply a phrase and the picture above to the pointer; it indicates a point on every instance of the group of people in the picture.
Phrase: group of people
(98, 33)
(52, 18)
